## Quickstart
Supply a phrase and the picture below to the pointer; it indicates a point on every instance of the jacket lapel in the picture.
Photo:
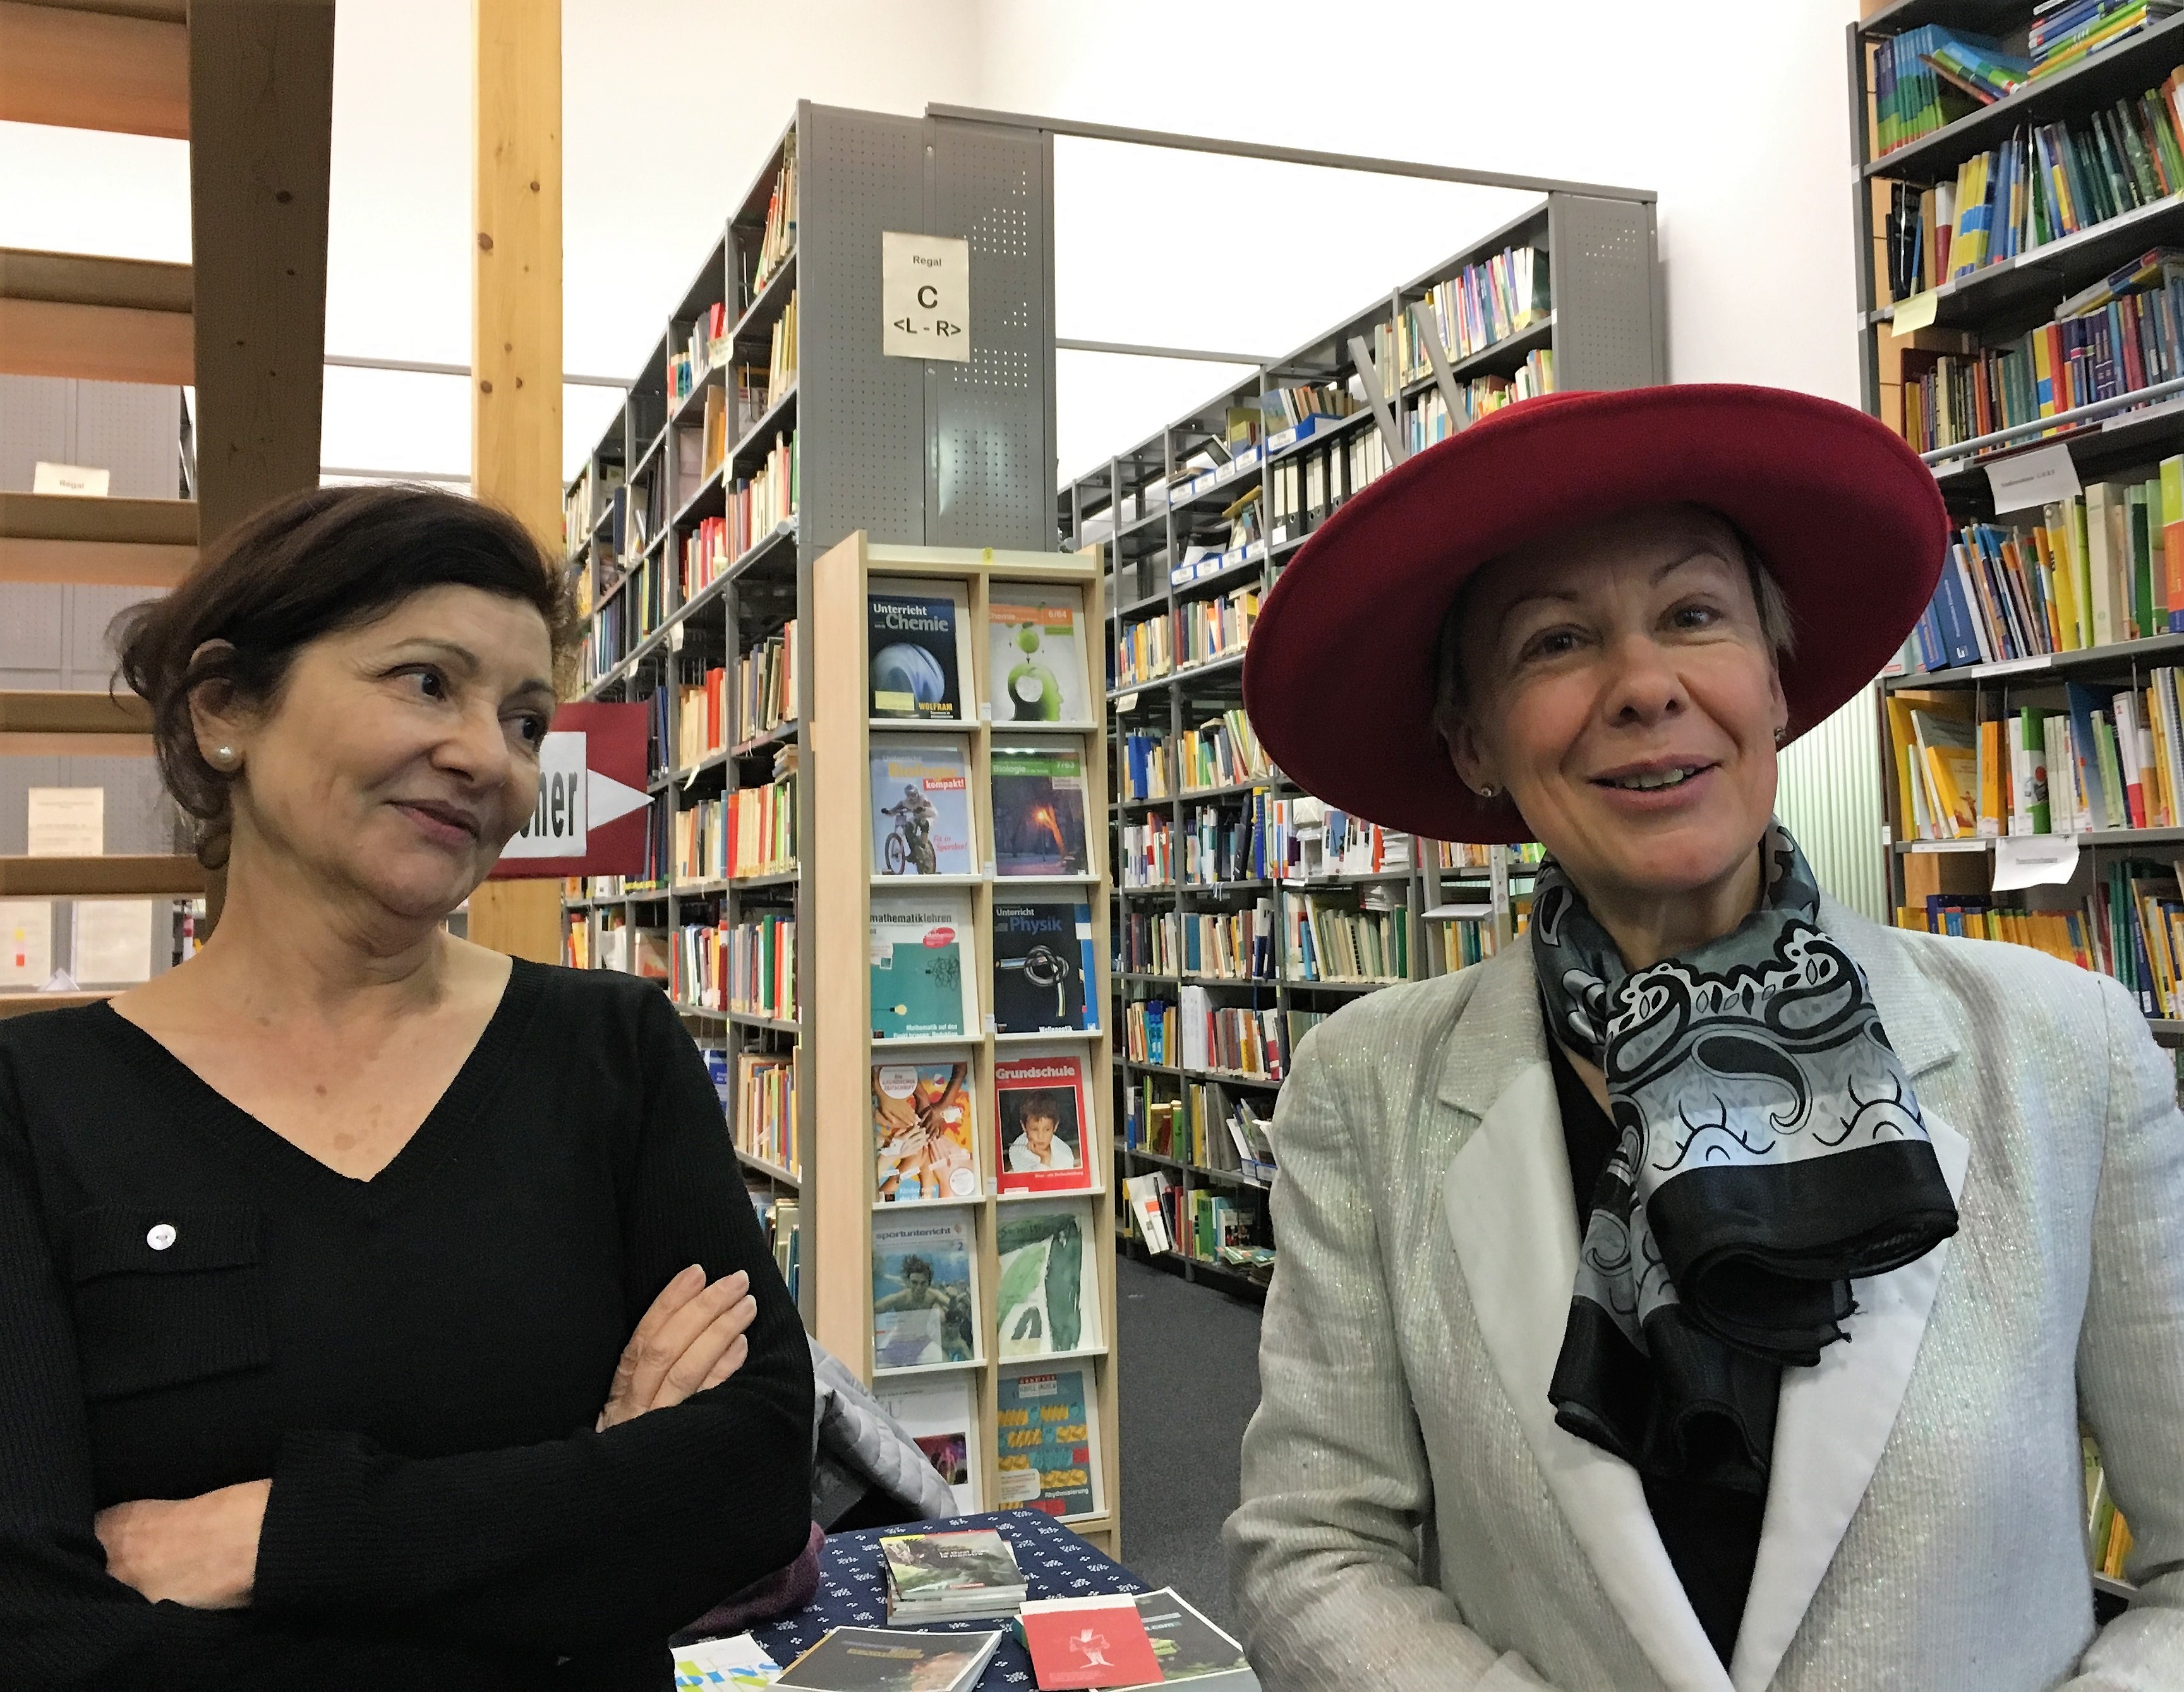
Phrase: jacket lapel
(1511, 1215)
(1833, 1421)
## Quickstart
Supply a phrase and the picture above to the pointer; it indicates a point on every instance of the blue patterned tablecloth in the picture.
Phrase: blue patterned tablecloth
(853, 1589)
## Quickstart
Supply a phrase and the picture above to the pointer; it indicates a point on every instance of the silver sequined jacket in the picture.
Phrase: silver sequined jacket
(1412, 1519)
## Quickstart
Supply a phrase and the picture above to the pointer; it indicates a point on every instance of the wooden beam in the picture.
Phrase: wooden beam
(95, 67)
(261, 114)
(516, 327)
(114, 876)
(99, 542)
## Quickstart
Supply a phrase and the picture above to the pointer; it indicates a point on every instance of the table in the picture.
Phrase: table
(853, 1589)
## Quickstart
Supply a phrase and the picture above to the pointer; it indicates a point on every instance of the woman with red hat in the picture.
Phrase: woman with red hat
(1705, 1293)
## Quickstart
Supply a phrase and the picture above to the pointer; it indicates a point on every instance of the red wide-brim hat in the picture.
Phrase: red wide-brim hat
(1339, 676)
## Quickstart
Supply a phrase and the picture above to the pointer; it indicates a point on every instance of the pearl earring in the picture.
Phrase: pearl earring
(225, 757)
(1489, 791)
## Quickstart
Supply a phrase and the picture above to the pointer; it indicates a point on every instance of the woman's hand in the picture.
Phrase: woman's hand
(200, 1552)
(690, 1339)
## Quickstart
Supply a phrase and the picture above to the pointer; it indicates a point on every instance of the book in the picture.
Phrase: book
(1039, 811)
(919, 987)
(1190, 1648)
(950, 1576)
(1043, 965)
(1037, 654)
(885, 1659)
(1087, 1642)
(1047, 1435)
(1040, 1128)
(1148, 1209)
(925, 1309)
(918, 634)
(921, 808)
(732, 1662)
(922, 1132)
(938, 1415)
(1048, 1298)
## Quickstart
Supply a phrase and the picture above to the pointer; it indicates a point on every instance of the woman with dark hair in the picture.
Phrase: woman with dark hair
(374, 1310)
(1703, 1295)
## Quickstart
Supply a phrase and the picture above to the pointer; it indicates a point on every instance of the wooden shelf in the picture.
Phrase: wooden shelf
(120, 65)
(58, 711)
(109, 542)
(118, 876)
(27, 1003)
(103, 320)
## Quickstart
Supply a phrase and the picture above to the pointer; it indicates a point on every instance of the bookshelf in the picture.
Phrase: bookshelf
(1188, 560)
(769, 462)
(847, 893)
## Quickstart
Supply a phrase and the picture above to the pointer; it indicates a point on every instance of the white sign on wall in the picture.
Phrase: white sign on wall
(925, 296)
(573, 801)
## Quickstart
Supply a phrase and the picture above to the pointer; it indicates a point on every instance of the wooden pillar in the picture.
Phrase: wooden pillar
(516, 341)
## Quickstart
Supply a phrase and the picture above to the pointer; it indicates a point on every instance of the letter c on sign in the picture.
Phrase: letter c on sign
(928, 296)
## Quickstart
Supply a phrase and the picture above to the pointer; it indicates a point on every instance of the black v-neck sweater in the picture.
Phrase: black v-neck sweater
(187, 1301)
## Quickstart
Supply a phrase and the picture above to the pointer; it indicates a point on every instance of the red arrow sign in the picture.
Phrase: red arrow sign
(593, 808)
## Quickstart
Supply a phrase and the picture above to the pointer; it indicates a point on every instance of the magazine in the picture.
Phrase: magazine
(924, 1304)
(1049, 1297)
(1036, 657)
(1190, 1648)
(922, 1132)
(1042, 965)
(891, 1660)
(1048, 1442)
(919, 640)
(919, 944)
(1039, 811)
(1040, 1131)
(733, 1663)
(921, 808)
(937, 1413)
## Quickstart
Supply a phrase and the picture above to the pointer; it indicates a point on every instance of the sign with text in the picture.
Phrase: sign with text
(2045, 476)
(925, 296)
(590, 817)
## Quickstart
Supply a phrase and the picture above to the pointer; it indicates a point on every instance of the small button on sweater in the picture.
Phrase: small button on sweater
(417, 1361)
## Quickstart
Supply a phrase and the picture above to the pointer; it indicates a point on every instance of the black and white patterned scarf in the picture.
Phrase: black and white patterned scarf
(1771, 1151)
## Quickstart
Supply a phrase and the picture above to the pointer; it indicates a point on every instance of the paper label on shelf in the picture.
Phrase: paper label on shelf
(2044, 476)
(65, 822)
(1127, 703)
(1914, 313)
(26, 942)
(1285, 437)
(925, 296)
(1226, 473)
(2032, 860)
(81, 480)
(113, 941)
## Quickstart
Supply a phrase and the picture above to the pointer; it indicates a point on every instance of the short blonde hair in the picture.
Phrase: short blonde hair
(1777, 626)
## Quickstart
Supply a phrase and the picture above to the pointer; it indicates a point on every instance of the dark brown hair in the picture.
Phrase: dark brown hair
(310, 564)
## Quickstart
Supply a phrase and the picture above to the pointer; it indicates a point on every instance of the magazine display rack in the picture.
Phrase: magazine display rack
(959, 1210)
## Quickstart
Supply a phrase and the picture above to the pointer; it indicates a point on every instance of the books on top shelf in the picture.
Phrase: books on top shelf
(890, 1660)
(2046, 182)
(938, 1413)
(924, 1131)
(2128, 335)
(1488, 300)
(2066, 31)
(1913, 96)
(920, 649)
(1040, 1123)
(1047, 1303)
(925, 1304)
(688, 365)
(777, 238)
(1286, 407)
(921, 988)
(920, 809)
(1043, 967)
(1038, 811)
(1037, 654)
(1047, 1439)
(949, 1576)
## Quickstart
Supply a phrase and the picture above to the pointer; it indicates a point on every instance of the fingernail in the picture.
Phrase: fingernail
(697, 1269)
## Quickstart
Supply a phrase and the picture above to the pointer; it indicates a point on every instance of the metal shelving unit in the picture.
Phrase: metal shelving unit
(1151, 502)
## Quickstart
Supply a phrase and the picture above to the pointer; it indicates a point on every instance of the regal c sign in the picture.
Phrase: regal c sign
(590, 818)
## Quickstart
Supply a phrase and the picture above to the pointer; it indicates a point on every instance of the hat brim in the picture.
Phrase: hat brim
(1339, 676)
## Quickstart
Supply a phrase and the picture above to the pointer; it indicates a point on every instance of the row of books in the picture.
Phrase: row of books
(1343, 940)
(1234, 945)
(746, 832)
(765, 1108)
(1430, 420)
(765, 684)
(1256, 837)
(1284, 408)
(2113, 758)
(2066, 31)
(924, 968)
(700, 351)
(2046, 182)
(1485, 302)
(777, 1217)
(2132, 337)
(2129, 925)
(2092, 571)
(1457, 854)
(1196, 633)
(781, 354)
(1461, 942)
(701, 717)
(747, 966)
(1221, 752)
(1926, 78)
(585, 498)
(1207, 1125)
(778, 238)
(1191, 1032)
